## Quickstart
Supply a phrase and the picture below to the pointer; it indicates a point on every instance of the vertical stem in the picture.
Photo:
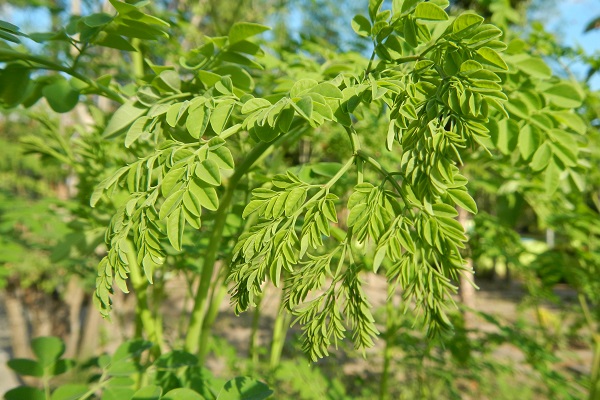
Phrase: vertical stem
(140, 286)
(211, 316)
(137, 59)
(46, 384)
(282, 321)
(390, 330)
(194, 339)
(253, 347)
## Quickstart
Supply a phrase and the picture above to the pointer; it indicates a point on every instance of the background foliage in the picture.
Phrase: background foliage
(172, 152)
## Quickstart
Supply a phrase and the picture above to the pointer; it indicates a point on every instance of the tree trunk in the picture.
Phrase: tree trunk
(74, 303)
(467, 278)
(90, 336)
(17, 322)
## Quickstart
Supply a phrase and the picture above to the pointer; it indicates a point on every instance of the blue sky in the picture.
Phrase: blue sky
(565, 18)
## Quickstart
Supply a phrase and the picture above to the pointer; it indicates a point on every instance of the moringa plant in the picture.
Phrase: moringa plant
(434, 90)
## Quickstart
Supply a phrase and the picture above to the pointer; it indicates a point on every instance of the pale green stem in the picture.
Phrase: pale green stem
(137, 59)
(253, 347)
(282, 322)
(211, 316)
(140, 286)
(194, 338)
(49, 65)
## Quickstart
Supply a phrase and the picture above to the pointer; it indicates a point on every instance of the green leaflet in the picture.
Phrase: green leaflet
(361, 25)
(466, 22)
(61, 96)
(175, 227)
(14, 82)
(208, 171)
(491, 57)
(206, 194)
(430, 12)
(123, 118)
(541, 158)
(182, 394)
(463, 199)
(136, 130)
(564, 95)
(243, 30)
(304, 107)
(244, 388)
(529, 139)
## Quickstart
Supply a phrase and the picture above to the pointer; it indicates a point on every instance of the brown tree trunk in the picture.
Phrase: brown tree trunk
(467, 278)
(90, 336)
(74, 303)
(17, 322)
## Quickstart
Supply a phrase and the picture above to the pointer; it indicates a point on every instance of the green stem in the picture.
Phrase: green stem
(137, 59)
(354, 142)
(338, 175)
(49, 65)
(253, 347)
(101, 382)
(211, 315)
(46, 383)
(390, 330)
(140, 286)
(365, 156)
(368, 70)
(282, 322)
(387, 356)
(194, 339)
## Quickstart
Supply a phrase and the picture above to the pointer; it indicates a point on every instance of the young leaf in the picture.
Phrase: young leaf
(528, 141)
(490, 57)
(26, 367)
(255, 104)
(243, 30)
(60, 95)
(175, 228)
(197, 121)
(430, 12)
(541, 158)
(361, 25)
(222, 156)
(69, 392)
(379, 257)
(206, 194)
(47, 349)
(182, 394)
(304, 107)
(136, 130)
(463, 199)
(208, 171)
(552, 178)
(25, 392)
(466, 21)
(295, 200)
(564, 95)
(123, 117)
(244, 388)
(220, 116)
(171, 204)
